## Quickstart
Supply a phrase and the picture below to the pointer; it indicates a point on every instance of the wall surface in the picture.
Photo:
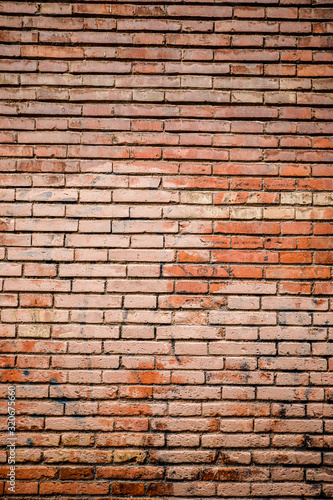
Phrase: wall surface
(165, 248)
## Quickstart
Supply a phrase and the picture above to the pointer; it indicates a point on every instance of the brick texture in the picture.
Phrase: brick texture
(166, 197)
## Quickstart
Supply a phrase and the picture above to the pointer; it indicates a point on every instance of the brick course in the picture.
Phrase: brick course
(165, 206)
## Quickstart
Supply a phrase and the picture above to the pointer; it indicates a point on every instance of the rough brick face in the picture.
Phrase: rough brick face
(166, 248)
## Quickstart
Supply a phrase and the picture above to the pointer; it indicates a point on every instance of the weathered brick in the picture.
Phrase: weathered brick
(166, 248)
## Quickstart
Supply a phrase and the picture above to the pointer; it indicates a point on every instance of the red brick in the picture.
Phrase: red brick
(166, 248)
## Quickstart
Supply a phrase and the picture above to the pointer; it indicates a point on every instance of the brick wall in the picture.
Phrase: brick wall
(165, 246)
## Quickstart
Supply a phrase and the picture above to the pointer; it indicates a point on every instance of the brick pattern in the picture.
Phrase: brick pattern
(166, 193)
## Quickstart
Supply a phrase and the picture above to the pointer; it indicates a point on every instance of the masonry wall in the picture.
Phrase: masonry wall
(165, 248)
